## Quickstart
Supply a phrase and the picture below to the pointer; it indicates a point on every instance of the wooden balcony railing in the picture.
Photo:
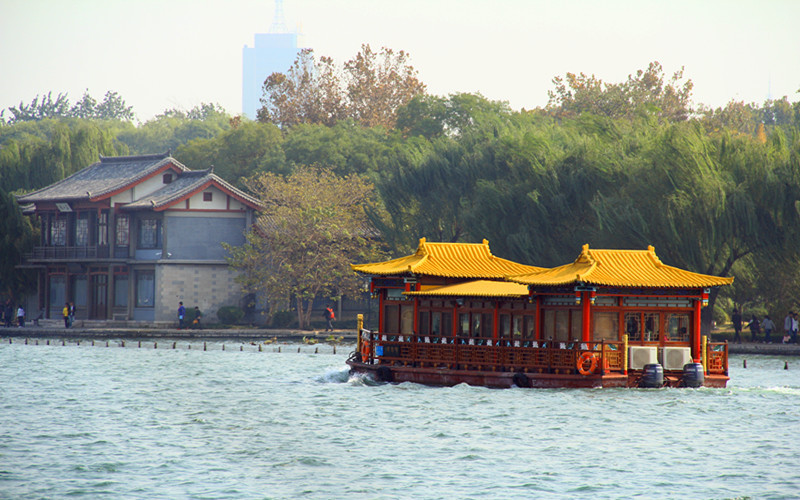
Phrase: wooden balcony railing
(68, 253)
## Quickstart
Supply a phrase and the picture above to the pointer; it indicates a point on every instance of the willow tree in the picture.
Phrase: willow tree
(311, 227)
(708, 202)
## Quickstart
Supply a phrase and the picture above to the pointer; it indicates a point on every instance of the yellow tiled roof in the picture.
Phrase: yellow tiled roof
(450, 260)
(625, 268)
(478, 288)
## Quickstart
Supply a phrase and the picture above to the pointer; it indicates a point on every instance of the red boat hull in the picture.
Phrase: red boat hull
(503, 380)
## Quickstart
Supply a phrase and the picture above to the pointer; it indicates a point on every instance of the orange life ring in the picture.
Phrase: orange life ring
(364, 350)
(592, 359)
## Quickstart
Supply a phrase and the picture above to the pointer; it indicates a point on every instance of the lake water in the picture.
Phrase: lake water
(91, 421)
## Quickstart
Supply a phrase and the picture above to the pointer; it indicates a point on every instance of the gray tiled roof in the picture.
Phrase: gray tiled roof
(105, 176)
(186, 184)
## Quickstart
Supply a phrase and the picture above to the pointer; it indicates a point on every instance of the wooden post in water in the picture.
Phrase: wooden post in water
(205, 347)
(155, 345)
(259, 347)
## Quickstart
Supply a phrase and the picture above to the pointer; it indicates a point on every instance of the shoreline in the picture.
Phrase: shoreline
(286, 335)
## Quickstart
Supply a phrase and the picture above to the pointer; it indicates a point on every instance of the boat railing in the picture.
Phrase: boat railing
(717, 354)
(494, 355)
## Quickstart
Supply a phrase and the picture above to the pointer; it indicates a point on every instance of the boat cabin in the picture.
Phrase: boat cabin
(454, 313)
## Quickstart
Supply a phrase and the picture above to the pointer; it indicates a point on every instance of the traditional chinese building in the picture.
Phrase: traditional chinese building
(126, 238)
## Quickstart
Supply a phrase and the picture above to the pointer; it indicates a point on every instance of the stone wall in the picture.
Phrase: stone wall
(207, 286)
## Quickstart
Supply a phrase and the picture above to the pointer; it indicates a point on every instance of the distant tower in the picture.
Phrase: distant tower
(273, 52)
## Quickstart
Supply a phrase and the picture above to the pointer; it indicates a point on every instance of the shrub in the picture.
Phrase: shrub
(230, 315)
(282, 319)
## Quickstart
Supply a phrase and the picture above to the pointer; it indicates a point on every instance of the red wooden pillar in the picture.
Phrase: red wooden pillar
(495, 322)
(696, 352)
(538, 318)
(586, 317)
(381, 316)
(415, 287)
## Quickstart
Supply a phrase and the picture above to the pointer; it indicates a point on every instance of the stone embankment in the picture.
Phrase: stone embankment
(103, 330)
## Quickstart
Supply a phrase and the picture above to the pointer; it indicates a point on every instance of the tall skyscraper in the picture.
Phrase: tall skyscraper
(273, 52)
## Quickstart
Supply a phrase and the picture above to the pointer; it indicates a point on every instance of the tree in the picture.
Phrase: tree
(41, 109)
(312, 226)
(646, 94)
(17, 236)
(309, 92)
(372, 88)
(378, 84)
(237, 153)
(112, 107)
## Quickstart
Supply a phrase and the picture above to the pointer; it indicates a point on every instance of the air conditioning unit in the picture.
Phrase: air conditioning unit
(638, 356)
(673, 358)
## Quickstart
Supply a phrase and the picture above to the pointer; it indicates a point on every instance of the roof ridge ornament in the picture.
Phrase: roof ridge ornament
(651, 251)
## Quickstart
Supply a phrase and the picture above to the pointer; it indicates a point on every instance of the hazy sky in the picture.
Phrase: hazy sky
(160, 54)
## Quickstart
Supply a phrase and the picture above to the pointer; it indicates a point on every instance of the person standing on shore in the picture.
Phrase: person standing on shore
(737, 326)
(768, 327)
(787, 327)
(20, 316)
(197, 316)
(9, 313)
(755, 328)
(181, 315)
(794, 328)
(329, 316)
(65, 313)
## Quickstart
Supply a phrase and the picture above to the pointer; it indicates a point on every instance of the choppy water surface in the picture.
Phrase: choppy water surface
(81, 421)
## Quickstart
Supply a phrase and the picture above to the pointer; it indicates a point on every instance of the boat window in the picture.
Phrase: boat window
(424, 326)
(605, 326)
(632, 326)
(407, 320)
(678, 328)
(529, 327)
(576, 325)
(436, 323)
(486, 326)
(651, 326)
(447, 324)
(391, 320)
(463, 325)
(505, 326)
(562, 326)
(476, 324)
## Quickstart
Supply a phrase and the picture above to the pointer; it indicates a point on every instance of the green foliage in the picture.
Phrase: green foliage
(17, 236)
(237, 153)
(174, 129)
(312, 226)
(230, 315)
(112, 107)
(283, 319)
